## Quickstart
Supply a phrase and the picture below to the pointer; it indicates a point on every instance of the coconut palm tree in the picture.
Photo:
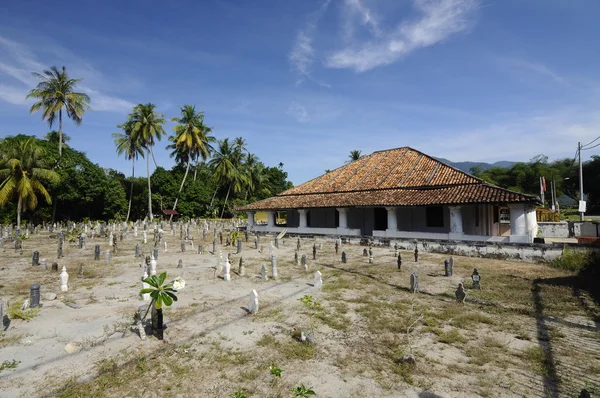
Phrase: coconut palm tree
(128, 145)
(55, 92)
(23, 173)
(222, 163)
(355, 155)
(146, 128)
(190, 141)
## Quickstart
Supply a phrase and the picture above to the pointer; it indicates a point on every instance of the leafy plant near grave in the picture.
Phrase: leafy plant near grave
(233, 237)
(15, 312)
(73, 235)
(314, 308)
(302, 391)
(162, 293)
(275, 371)
(238, 394)
(23, 237)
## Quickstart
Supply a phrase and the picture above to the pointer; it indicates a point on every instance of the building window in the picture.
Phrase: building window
(434, 216)
(496, 214)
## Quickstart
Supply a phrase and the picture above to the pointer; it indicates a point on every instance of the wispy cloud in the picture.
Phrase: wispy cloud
(536, 68)
(439, 19)
(18, 61)
(356, 10)
(302, 55)
(298, 112)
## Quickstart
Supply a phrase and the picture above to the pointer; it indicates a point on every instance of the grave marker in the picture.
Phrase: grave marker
(414, 282)
(64, 279)
(34, 296)
(476, 279)
(253, 305)
(460, 293)
(344, 259)
(318, 283)
(36, 258)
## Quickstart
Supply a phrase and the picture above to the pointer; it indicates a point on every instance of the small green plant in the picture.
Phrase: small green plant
(302, 392)
(238, 394)
(573, 260)
(9, 365)
(162, 293)
(275, 371)
(15, 312)
(314, 308)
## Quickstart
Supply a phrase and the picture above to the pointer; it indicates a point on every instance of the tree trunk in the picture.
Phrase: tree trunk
(187, 169)
(195, 171)
(152, 152)
(19, 211)
(131, 191)
(213, 198)
(149, 189)
(226, 197)
(60, 133)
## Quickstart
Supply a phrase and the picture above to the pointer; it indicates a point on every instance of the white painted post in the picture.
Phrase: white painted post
(303, 219)
(392, 221)
(343, 224)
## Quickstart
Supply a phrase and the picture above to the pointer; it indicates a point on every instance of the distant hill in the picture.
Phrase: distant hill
(466, 166)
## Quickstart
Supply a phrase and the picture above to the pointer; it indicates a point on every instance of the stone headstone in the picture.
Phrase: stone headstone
(138, 252)
(36, 258)
(59, 252)
(370, 255)
(447, 268)
(152, 266)
(64, 279)
(44, 264)
(399, 261)
(476, 278)
(241, 268)
(54, 266)
(460, 293)
(414, 282)
(263, 273)
(183, 247)
(34, 296)
(155, 253)
(214, 248)
(344, 259)
(318, 283)
(365, 252)
(416, 254)
(107, 257)
(239, 246)
(253, 305)
(298, 244)
(180, 264)
(296, 259)
(256, 242)
(277, 242)
(315, 251)
(81, 269)
(1, 308)
(227, 270)
(337, 246)
(274, 267)
(97, 252)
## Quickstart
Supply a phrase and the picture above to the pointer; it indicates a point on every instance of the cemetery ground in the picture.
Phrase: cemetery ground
(528, 332)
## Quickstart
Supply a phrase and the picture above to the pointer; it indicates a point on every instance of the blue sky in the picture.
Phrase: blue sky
(307, 81)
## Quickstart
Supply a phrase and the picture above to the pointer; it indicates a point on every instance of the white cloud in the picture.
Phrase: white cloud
(18, 61)
(13, 95)
(299, 112)
(356, 9)
(536, 68)
(439, 20)
(302, 55)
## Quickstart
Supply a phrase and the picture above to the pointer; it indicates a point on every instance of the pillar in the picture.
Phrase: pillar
(271, 218)
(250, 219)
(532, 226)
(302, 221)
(518, 222)
(392, 220)
(456, 225)
(343, 224)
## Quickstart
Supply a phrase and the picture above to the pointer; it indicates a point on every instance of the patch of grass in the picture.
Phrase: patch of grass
(266, 341)
(452, 337)
(8, 339)
(467, 321)
(573, 260)
(293, 349)
(15, 312)
(536, 356)
(9, 365)
(405, 371)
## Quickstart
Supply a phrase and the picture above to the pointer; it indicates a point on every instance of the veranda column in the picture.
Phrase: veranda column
(302, 221)
(392, 220)
(343, 224)
(271, 218)
(456, 225)
(250, 219)
(518, 223)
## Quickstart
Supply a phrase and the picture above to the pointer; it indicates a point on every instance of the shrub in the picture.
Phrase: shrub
(573, 260)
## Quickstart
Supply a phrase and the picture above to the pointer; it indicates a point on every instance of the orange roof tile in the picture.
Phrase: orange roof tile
(395, 177)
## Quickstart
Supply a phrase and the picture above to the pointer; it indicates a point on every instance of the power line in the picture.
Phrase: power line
(590, 143)
(598, 144)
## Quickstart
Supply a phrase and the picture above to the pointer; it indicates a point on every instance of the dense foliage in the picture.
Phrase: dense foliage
(86, 190)
(524, 177)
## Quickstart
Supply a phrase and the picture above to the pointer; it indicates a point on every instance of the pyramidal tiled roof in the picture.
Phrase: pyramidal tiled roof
(394, 177)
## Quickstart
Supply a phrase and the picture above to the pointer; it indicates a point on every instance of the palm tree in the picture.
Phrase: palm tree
(55, 92)
(222, 163)
(355, 155)
(190, 141)
(146, 128)
(128, 144)
(22, 173)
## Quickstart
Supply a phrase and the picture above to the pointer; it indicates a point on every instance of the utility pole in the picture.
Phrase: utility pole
(580, 182)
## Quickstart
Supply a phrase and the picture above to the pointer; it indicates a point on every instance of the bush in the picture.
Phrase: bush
(574, 260)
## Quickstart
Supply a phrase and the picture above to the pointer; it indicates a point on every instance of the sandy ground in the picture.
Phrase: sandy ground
(211, 309)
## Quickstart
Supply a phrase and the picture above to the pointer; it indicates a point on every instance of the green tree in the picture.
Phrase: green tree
(190, 141)
(147, 127)
(23, 173)
(55, 92)
(355, 155)
(127, 144)
(222, 164)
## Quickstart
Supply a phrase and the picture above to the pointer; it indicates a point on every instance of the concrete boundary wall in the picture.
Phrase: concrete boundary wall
(529, 252)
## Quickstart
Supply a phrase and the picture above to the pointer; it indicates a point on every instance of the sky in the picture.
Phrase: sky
(307, 81)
